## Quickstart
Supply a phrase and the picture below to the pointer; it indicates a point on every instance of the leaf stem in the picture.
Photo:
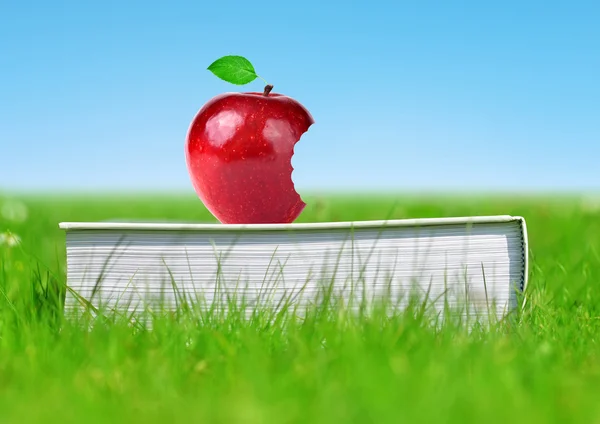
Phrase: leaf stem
(266, 83)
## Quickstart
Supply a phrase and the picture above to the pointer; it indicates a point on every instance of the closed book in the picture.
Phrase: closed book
(479, 264)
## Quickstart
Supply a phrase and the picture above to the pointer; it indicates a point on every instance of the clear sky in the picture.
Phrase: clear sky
(405, 94)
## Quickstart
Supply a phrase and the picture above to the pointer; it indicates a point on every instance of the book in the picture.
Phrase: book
(470, 262)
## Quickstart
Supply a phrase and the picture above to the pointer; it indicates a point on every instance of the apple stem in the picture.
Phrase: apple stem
(268, 89)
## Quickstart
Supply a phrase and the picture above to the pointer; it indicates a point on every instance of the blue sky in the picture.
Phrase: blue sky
(406, 95)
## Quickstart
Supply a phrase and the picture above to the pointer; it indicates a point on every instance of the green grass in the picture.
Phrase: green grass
(330, 368)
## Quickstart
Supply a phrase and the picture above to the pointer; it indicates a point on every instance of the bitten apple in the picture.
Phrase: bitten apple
(239, 149)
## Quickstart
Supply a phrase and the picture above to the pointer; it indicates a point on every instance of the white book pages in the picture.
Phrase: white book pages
(479, 262)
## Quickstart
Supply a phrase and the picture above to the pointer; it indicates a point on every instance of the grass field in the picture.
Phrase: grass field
(544, 369)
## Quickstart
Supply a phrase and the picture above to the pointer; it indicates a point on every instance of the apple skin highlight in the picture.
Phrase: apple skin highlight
(239, 149)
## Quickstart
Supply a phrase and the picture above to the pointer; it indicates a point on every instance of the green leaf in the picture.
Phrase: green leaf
(234, 69)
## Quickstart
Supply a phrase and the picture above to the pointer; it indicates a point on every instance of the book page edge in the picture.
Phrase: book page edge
(293, 226)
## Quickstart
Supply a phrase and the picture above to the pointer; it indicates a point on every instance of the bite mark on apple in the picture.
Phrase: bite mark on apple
(292, 166)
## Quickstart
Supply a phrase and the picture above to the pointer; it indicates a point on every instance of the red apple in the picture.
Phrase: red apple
(239, 150)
